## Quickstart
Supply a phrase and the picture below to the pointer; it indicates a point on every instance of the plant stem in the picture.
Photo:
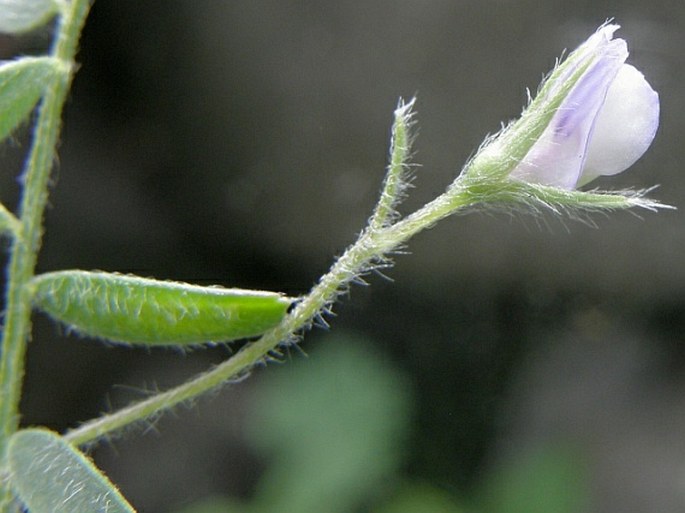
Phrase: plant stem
(395, 179)
(371, 247)
(27, 243)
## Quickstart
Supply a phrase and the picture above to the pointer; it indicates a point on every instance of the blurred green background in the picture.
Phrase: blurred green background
(537, 364)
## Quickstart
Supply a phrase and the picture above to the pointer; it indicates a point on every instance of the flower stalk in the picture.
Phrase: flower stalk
(484, 183)
(517, 169)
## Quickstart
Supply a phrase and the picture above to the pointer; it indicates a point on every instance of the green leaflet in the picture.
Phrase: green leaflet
(8, 223)
(51, 476)
(17, 17)
(21, 85)
(130, 309)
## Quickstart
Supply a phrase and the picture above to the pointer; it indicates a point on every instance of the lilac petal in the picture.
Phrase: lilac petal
(558, 156)
(595, 45)
(625, 126)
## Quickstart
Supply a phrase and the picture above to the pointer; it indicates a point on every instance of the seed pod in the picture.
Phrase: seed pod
(134, 310)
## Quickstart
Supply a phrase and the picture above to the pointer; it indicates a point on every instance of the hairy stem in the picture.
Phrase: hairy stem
(35, 193)
(396, 177)
(371, 247)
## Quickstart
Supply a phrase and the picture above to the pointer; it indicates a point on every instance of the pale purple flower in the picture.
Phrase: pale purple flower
(604, 124)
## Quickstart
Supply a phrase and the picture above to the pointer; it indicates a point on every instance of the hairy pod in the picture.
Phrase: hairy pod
(134, 310)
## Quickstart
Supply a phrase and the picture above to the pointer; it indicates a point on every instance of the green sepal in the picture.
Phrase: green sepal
(134, 310)
(22, 83)
(511, 194)
(49, 475)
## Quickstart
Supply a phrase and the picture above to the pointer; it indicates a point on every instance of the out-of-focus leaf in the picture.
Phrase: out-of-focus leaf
(420, 498)
(549, 480)
(216, 505)
(49, 475)
(22, 83)
(332, 428)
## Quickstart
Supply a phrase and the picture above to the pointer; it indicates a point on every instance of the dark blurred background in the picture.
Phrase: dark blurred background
(243, 144)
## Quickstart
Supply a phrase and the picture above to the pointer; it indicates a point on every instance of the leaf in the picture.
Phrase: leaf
(421, 497)
(51, 476)
(332, 427)
(23, 15)
(9, 224)
(130, 309)
(548, 479)
(22, 83)
(216, 504)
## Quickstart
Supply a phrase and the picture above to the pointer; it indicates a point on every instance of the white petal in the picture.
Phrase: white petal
(625, 126)
(558, 156)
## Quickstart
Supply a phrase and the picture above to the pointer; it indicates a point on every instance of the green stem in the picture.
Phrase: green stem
(26, 246)
(395, 180)
(371, 247)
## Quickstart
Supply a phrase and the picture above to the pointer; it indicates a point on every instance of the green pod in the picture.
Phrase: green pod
(134, 310)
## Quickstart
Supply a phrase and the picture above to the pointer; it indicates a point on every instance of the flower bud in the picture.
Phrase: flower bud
(602, 125)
